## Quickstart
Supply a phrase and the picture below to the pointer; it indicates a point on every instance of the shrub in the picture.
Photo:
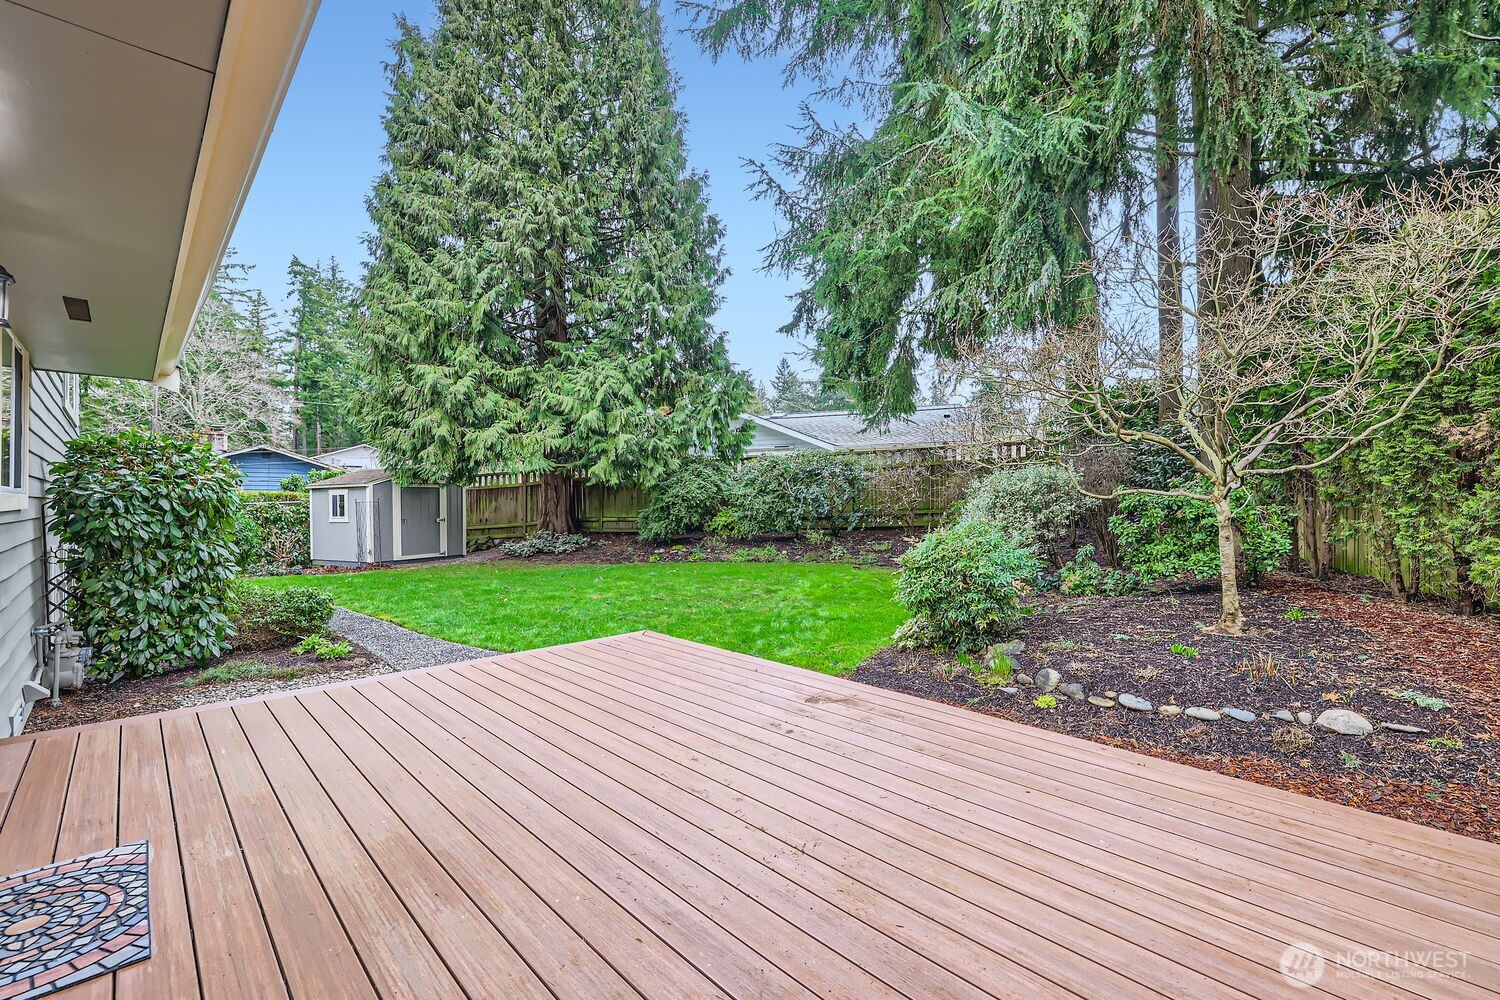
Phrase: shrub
(684, 501)
(295, 483)
(545, 542)
(272, 532)
(147, 525)
(1164, 538)
(1083, 577)
(966, 583)
(788, 494)
(270, 619)
(323, 648)
(1034, 504)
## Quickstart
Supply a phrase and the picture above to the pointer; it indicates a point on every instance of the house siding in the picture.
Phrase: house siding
(266, 470)
(335, 541)
(765, 440)
(52, 423)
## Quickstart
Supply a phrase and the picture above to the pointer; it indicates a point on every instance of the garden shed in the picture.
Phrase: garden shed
(366, 517)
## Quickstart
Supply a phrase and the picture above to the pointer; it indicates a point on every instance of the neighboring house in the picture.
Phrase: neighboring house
(264, 467)
(844, 430)
(131, 133)
(356, 456)
(365, 517)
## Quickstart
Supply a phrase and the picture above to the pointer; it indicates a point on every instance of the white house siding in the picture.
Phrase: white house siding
(768, 441)
(53, 421)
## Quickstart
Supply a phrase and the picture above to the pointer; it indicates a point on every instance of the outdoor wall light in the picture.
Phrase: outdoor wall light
(6, 280)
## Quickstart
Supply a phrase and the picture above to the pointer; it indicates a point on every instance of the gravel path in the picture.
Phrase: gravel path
(400, 647)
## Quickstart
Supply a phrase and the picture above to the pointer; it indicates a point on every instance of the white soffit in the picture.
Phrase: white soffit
(129, 132)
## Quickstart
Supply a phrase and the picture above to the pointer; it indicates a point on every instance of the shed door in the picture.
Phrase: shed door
(420, 527)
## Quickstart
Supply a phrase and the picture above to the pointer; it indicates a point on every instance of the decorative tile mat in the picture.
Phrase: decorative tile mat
(67, 923)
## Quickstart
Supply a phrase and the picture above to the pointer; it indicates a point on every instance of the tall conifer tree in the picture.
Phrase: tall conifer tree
(544, 265)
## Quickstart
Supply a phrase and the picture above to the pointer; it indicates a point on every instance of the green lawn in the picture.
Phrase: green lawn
(827, 617)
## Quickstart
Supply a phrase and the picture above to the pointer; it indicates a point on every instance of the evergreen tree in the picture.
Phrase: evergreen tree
(1004, 129)
(544, 265)
(321, 345)
(789, 393)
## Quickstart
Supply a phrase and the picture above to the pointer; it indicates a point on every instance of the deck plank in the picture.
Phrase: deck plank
(147, 813)
(642, 817)
(1054, 823)
(1153, 803)
(235, 955)
(315, 951)
(478, 955)
(90, 820)
(1031, 893)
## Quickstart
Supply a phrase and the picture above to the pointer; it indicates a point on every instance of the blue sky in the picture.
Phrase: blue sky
(308, 197)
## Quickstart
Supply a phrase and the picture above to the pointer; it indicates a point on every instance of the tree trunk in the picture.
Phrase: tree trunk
(555, 512)
(1231, 618)
(1168, 254)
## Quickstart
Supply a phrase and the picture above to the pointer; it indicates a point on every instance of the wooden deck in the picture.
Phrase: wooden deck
(646, 817)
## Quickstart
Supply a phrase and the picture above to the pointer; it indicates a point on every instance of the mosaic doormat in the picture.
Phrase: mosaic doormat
(67, 923)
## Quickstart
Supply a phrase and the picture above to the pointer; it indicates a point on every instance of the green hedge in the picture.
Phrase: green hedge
(273, 531)
(148, 528)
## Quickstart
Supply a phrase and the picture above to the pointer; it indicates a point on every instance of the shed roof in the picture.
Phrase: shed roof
(359, 477)
(928, 427)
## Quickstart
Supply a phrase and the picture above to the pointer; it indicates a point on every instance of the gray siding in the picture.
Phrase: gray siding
(52, 422)
(335, 541)
(457, 542)
(385, 537)
(764, 440)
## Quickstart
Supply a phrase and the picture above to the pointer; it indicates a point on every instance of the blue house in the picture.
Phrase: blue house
(264, 467)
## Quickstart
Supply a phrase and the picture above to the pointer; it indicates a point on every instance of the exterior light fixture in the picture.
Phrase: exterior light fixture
(6, 280)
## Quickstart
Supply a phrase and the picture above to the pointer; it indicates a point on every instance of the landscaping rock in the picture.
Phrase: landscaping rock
(1010, 690)
(1074, 691)
(1111, 694)
(1170, 709)
(1094, 699)
(1024, 680)
(1285, 716)
(1047, 678)
(1135, 703)
(1240, 715)
(1397, 727)
(1345, 722)
(1305, 718)
(1203, 714)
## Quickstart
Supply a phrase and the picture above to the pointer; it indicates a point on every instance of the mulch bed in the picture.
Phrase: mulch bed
(1309, 648)
(875, 547)
(144, 695)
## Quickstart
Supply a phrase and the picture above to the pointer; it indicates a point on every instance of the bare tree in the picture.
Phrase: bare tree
(227, 384)
(1288, 370)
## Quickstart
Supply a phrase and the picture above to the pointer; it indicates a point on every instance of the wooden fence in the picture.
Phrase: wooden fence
(907, 489)
(506, 505)
(1358, 547)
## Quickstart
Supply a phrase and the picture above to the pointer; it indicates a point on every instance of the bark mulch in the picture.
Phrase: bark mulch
(284, 670)
(1309, 648)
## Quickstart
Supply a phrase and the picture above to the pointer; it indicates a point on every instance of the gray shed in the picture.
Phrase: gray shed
(365, 517)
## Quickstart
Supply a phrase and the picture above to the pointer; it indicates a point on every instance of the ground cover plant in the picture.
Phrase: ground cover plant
(825, 616)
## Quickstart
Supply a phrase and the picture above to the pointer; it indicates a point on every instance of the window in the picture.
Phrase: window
(338, 505)
(12, 414)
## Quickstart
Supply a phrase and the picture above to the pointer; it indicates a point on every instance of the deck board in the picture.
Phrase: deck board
(642, 817)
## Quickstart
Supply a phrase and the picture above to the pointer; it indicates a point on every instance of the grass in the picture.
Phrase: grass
(824, 616)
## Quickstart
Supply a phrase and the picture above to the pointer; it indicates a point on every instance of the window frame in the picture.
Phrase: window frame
(343, 497)
(17, 467)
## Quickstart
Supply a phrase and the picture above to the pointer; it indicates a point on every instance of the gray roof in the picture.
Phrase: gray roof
(359, 477)
(929, 427)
